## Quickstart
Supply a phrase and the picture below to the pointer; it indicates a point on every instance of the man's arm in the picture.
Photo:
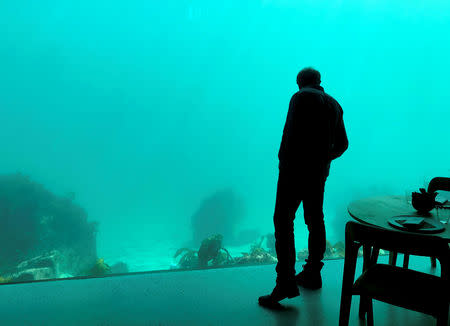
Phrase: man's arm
(341, 141)
(287, 130)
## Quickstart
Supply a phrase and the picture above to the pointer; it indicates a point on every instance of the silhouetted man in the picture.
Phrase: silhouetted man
(313, 136)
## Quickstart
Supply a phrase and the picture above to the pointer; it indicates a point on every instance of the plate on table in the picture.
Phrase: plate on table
(416, 224)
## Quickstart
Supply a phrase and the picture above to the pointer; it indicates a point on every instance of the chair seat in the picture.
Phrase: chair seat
(403, 287)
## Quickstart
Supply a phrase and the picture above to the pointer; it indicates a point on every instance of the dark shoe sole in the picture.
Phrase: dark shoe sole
(267, 300)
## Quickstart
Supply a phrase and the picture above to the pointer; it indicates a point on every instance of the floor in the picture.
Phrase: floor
(208, 297)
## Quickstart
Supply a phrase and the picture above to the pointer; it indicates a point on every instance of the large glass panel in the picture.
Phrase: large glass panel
(133, 130)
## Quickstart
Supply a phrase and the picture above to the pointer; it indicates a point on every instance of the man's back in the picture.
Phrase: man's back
(314, 133)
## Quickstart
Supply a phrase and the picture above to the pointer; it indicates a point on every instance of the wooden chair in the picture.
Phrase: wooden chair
(438, 183)
(398, 286)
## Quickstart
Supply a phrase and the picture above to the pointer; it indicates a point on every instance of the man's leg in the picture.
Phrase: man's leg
(314, 219)
(287, 202)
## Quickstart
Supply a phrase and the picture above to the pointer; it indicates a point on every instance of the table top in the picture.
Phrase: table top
(378, 210)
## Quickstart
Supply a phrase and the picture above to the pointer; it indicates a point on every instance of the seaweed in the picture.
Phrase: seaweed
(189, 259)
(100, 268)
(210, 253)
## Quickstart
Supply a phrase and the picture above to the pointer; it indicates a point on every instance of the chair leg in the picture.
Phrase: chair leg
(442, 319)
(369, 312)
(392, 258)
(366, 263)
(433, 262)
(363, 306)
(344, 314)
(351, 252)
(374, 257)
(405, 261)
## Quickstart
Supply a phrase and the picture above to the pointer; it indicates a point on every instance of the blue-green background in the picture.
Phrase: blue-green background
(145, 108)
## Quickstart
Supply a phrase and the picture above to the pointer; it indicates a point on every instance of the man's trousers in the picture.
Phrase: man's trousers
(292, 189)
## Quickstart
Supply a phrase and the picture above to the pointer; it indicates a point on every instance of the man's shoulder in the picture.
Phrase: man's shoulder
(329, 97)
(333, 101)
(308, 93)
(305, 93)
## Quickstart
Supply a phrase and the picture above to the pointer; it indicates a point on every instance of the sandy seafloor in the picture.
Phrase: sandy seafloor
(158, 257)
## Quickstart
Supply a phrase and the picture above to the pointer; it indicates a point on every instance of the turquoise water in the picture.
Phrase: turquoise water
(145, 109)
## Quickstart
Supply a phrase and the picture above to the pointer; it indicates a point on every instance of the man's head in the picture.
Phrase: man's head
(308, 77)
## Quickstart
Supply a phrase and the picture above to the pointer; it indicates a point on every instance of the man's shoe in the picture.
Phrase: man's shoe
(309, 280)
(279, 293)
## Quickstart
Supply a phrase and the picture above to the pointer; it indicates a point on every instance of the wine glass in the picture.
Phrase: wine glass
(443, 214)
(408, 197)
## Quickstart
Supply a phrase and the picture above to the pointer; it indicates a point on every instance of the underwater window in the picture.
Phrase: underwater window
(142, 136)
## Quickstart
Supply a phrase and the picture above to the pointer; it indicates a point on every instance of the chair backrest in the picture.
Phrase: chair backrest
(439, 183)
(398, 241)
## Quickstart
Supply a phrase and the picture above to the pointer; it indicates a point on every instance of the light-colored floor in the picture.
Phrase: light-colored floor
(208, 297)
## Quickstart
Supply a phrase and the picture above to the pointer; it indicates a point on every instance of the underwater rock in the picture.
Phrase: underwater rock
(34, 274)
(269, 240)
(302, 254)
(210, 253)
(35, 221)
(74, 262)
(270, 243)
(219, 213)
(332, 251)
(339, 249)
(329, 249)
(23, 277)
(119, 268)
(209, 249)
(335, 251)
(50, 261)
(45, 266)
(221, 259)
(65, 275)
(257, 256)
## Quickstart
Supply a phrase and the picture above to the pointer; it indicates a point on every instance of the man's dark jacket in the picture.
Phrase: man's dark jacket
(314, 133)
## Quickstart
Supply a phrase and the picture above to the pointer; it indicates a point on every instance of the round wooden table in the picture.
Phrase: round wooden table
(378, 210)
